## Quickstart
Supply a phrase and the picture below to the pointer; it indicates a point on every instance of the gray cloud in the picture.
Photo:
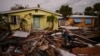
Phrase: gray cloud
(77, 5)
(80, 6)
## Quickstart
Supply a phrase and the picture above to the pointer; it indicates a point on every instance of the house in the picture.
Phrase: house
(34, 18)
(79, 21)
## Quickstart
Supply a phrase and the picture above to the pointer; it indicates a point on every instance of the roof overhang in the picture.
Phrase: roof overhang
(82, 16)
(15, 11)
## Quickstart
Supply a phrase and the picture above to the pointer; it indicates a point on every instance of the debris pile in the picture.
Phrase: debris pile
(47, 43)
(41, 45)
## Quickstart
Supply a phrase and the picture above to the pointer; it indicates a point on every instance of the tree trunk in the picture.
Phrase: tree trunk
(52, 26)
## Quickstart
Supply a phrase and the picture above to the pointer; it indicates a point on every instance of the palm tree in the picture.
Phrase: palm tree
(52, 19)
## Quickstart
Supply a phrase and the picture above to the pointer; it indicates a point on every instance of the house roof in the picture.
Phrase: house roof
(27, 9)
(83, 16)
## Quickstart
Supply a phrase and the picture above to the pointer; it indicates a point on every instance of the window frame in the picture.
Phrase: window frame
(89, 21)
(15, 19)
(80, 21)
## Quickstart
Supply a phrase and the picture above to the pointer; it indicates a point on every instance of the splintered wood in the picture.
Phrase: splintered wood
(41, 44)
(47, 43)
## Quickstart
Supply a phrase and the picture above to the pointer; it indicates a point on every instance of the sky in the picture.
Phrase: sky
(52, 5)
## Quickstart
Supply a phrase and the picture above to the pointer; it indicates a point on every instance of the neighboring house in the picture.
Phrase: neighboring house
(79, 21)
(36, 18)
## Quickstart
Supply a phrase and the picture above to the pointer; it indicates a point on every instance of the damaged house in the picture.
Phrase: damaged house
(79, 21)
(43, 43)
(31, 18)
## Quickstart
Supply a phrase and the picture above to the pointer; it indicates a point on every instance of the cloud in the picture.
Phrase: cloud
(54, 3)
(77, 5)
(80, 6)
(71, 2)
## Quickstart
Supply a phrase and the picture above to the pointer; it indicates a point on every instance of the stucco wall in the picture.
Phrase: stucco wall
(29, 25)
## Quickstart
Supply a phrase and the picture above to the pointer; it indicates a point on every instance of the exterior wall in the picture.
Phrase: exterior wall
(29, 25)
(82, 24)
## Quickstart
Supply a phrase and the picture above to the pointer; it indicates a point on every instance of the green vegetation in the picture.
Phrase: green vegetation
(22, 22)
(4, 24)
(88, 11)
(52, 19)
(65, 10)
(94, 10)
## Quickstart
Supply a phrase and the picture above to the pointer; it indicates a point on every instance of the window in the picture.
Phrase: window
(88, 21)
(14, 19)
(77, 20)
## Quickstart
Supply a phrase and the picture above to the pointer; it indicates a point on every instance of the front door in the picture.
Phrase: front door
(36, 22)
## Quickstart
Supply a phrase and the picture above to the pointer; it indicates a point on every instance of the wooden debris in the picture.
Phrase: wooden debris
(44, 43)
(35, 43)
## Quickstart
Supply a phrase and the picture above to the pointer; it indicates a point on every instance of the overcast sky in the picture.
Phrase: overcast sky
(52, 5)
